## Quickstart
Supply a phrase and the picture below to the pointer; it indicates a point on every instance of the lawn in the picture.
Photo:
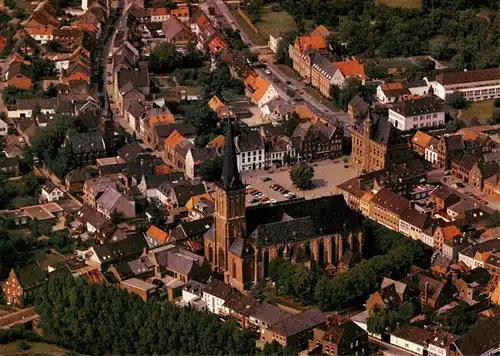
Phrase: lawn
(406, 4)
(40, 348)
(480, 109)
(255, 37)
(274, 23)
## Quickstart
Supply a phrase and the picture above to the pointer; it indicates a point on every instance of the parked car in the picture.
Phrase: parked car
(461, 185)
(288, 82)
(267, 71)
(265, 179)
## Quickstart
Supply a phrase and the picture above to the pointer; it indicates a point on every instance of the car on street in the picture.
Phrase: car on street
(267, 71)
(273, 201)
(254, 200)
(299, 92)
(288, 82)
(460, 185)
(266, 179)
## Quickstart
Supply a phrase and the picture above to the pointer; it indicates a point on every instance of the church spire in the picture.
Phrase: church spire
(230, 175)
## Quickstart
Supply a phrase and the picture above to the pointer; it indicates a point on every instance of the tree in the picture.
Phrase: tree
(352, 87)
(281, 55)
(495, 117)
(211, 169)
(11, 4)
(494, 219)
(37, 110)
(54, 46)
(291, 123)
(117, 217)
(456, 100)
(385, 320)
(302, 175)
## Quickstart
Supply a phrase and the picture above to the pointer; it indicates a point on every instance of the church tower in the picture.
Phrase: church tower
(229, 215)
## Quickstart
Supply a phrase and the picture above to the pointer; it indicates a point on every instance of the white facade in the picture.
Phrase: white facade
(474, 91)
(270, 94)
(16, 114)
(409, 230)
(431, 154)
(250, 160)
(273, 43)
(160, 18)
(4, 128)
(54, 195)
(382, 97)
(42, 39)
(469, 261)
(427, 239)
(405, 123)
(214, 304)
(407, 345)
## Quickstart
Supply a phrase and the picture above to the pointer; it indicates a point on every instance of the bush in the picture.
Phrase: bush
(456, 101)
(22, 345)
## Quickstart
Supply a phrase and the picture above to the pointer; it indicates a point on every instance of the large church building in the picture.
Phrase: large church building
(244, 240)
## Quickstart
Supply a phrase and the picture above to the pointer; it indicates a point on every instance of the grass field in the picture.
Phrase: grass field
(405, 4)
(40, 348)
(254, 36)
(274, 23)
(480, 109)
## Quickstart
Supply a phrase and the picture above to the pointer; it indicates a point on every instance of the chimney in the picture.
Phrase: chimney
(426, 292)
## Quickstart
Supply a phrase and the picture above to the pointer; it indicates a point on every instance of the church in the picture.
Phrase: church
(243, 241)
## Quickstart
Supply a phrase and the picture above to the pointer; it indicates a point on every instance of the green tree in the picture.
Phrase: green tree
(211, 169)
(302, 175)
(54, 46)
(291, 123)
(11, 4)
(494, 219)
(352, 87)
(164, 58)
(385, 320)
(281, 54)
(456, 100)
(117, 217)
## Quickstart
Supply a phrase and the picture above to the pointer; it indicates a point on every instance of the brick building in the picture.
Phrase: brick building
(22, 283)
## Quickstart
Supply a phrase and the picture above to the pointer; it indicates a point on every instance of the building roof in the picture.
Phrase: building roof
(193, 228)
(249, 142)
(323, 65)
(173, 26)
(295, 324)
(174, 139)
(85, 142)
(230, 179)
(479, 75)
(450, 232)
(30, 276)
(444, 193)
(217, 288)
(419, 106)
(454, 142)
(482, 247)
(157, 234)
(283, 231)
(393, 202)
(417, 219)
(421, 139)
(257, 85)
(314, 42)
(130, 152)
(348, 330)
(110, 199)
(268, 313)
(350, 68)
(481, 337)
(120, 249)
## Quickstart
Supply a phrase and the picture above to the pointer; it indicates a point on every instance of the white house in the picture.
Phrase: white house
(273, 43)
(50, 192)
(24, 107)
(260, 90)
(417, 113)
(250, 154)
(474, 85)
(347, 69)
(160, 14)
(41, 34)
(431, 151)
(4, 128)
(475, 255)
(412, 223)
(215, 293)
(420, 341)
(391, 92)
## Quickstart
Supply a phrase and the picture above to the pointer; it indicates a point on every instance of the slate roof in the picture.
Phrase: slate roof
(269, 313)
(298, 323)
(415, 218)
(184, 128)
(347, 331)
(329, 214)
(420, 106)
(193, 228)
(130, 151)
(30, 276)
(454, 142)
(284, 231)
(249, 142)
(85, 142)
(110, 198)
(481, 338)
(393, 202)
(479, 75)
(112, 251)
(217, 288)
(18, 68)
(184, 190)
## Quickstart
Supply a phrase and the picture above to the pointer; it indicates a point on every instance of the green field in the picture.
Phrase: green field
(274, 23)
(40, 348)
(480, 109)
(255, 37)
(405, 4)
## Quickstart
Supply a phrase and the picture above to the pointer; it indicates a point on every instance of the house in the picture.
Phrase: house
(445, 233)
(114, 252)
(412, 223)
(176, 148)
(130, 152)
(75, 179)
(462, 165)
(481, 172)
(195, 158)
(420, 141)
(296, 330)
(302, 50)
(155, 236)
(397, 91)
(22, 283)
(250, 151)
(474, 85)
(143, 289)
(24, 107)
(259, 89)
(159, 14)
(192, 230)
(431, 151)
(86, 147)
(160, 132)
(112, 201)
(376, 143)
(18, 75)
(50, 192)
(448, 147)
(416, 340)
(391, 293)
(177, 32)
(215, 294)
(442, 197)
(175, 262)
(314, 140)
(387, 208)
(476, 255)
(410, 114)
(337, 339)
(482, 339)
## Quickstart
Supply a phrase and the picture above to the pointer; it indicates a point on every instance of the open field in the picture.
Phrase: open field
(274, 23)
(406, 4)
(480, 109)
(40, 348)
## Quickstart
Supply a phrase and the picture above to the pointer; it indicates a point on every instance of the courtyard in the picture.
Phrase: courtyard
(327, 175)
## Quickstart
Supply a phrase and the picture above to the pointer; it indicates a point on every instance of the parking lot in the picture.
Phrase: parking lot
(327, 175)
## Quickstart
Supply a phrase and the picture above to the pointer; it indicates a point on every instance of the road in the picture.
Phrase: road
(19, 317)
(226, 19)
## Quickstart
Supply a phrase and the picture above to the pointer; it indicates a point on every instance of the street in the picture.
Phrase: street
(222, 9)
